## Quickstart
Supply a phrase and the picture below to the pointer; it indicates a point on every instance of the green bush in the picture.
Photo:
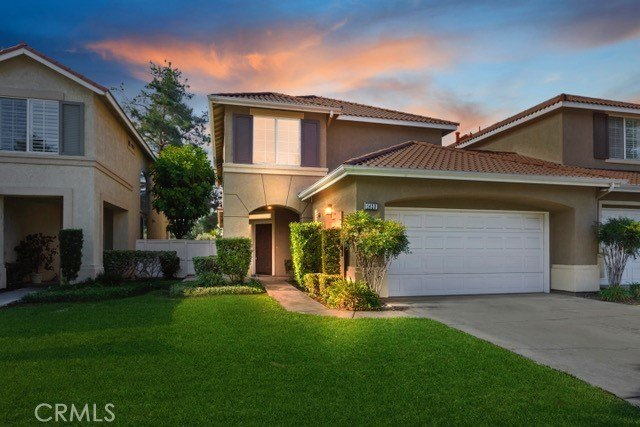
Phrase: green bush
(331, 248)
(615, 293)
(234, 257)
(71, 242)
(205, 264)
(619, 240)
(119, 265)
(634, 290)
(92, 291)
(184, 290)
(326, 281)
(209, 279)
(312, 283)
(169, 263)
(346, 294)
(305, 249)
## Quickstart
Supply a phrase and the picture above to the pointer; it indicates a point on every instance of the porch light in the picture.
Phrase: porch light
(269, 207)
(328, 210)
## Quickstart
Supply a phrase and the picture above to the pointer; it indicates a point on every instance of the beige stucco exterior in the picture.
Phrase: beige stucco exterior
(108, 174)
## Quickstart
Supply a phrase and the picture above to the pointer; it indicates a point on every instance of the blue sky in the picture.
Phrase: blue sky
(473, 62)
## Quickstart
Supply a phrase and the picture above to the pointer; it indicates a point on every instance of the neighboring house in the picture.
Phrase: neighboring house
(516, 216)
(69, 158)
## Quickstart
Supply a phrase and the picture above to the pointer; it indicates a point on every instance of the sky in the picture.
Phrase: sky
(473, 62)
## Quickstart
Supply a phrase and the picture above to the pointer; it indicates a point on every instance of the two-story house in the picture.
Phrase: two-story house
(504, 218)
(69, 158)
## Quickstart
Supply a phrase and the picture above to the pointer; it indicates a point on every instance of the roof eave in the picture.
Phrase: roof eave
(449, 127)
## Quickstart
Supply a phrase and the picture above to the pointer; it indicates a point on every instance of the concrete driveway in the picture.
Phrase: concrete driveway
(596, 341)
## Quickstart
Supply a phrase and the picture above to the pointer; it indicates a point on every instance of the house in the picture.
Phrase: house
(69, 158)
(510, 209)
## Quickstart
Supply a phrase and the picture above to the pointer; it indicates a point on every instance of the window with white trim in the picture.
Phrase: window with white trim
(29, 125)
(624, 138)
(276, 141)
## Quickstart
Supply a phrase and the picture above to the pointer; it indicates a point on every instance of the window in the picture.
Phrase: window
(276, 141)
(29, 125)
(624, 138)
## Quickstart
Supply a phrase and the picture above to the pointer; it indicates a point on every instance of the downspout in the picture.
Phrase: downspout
(603, 193)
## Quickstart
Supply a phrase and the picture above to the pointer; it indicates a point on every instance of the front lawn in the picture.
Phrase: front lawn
(242, 359)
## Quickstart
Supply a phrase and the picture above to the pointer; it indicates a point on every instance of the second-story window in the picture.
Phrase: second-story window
(31, 125)
(624, 138)
(276, 141)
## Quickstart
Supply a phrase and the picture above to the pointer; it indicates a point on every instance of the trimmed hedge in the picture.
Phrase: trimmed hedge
(205, 264)
(169, 264)
(184, 290)
(305, 249)
(92, 291)
(331, 250)
(121, 265)
(234, 257)
(356, 295)
(71, 242)
(209, 279)
(312, 283)
(326, 281)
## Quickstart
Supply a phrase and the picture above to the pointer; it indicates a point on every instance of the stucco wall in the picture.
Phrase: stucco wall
(348, 139)
(541, 138)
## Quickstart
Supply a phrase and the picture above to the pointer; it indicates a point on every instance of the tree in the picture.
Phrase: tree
(161, 114)
(620, 240)
(182, 181)
(374, 242)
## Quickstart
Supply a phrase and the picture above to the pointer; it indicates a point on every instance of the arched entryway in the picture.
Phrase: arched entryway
(271, 241)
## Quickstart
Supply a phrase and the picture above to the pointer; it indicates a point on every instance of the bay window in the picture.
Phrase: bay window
(29, 125)
(276, 141)
(624, 138)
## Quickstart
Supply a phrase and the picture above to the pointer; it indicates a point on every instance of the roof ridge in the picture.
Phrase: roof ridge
(377, 153)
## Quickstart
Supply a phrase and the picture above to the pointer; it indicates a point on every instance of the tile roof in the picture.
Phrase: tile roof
(53, 61)
(342, 107)
(548, 103)
(424, 155)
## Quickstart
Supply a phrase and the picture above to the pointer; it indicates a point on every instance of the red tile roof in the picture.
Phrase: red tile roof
(53, 61)
(563, 97)
(342, 107)
(423, 155)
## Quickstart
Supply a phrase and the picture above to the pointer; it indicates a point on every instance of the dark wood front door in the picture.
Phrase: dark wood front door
(263, 249)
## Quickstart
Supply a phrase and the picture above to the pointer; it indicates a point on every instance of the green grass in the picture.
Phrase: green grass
(241, 359)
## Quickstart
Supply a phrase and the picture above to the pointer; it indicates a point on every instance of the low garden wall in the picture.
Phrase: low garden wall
(186, 250)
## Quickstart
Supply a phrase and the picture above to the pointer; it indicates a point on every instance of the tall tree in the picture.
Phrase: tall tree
(161, 111)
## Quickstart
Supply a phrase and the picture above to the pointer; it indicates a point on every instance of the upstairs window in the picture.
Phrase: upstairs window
(29, 125)
(276, 141)
(624, 138)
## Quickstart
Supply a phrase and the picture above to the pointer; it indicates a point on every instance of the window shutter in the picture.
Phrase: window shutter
(72, 128)
(600, 136)
(242, 138)
(310, 150)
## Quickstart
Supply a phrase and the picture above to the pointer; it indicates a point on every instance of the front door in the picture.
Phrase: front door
(263, 249)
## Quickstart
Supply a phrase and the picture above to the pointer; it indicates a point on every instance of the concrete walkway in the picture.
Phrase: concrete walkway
(292, 299)
(9, 297)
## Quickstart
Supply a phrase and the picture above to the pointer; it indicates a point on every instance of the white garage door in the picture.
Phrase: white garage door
(632, 270)
(470, 252)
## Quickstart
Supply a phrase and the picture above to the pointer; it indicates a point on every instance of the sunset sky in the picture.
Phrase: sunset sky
(468, 61)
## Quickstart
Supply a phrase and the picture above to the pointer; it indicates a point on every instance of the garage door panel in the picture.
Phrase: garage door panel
(458, 252)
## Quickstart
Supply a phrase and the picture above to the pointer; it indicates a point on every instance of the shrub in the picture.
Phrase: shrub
(331, 250)
(169, 263)
(234, 257)
(615, 293)
(120, 265)
(209, 279)
(620, 240)
(183, 290)
(634, 290)
(374, 242)
(312, 283)
(326, 281)
(35, 251)
(305, 249)
(91, 291)
(205, 264)
(71, 242)
(346, 294)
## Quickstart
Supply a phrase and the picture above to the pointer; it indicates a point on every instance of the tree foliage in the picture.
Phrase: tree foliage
(182, 180)
(161, 112)
(374, 242)
(620, 240)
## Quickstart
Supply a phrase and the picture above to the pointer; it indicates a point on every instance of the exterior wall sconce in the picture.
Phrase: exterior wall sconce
(328, 210)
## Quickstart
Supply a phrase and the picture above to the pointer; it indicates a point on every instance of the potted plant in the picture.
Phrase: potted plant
(36, 251)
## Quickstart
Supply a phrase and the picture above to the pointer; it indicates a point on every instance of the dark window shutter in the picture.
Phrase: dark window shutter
(72, 128)
(310, 148)
(242, 138)
(600, 136)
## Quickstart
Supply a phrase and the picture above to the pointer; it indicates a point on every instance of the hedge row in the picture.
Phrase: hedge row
(331, 249)
(338, 292)
(130, 265)
(305, 249)
(71, 241)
